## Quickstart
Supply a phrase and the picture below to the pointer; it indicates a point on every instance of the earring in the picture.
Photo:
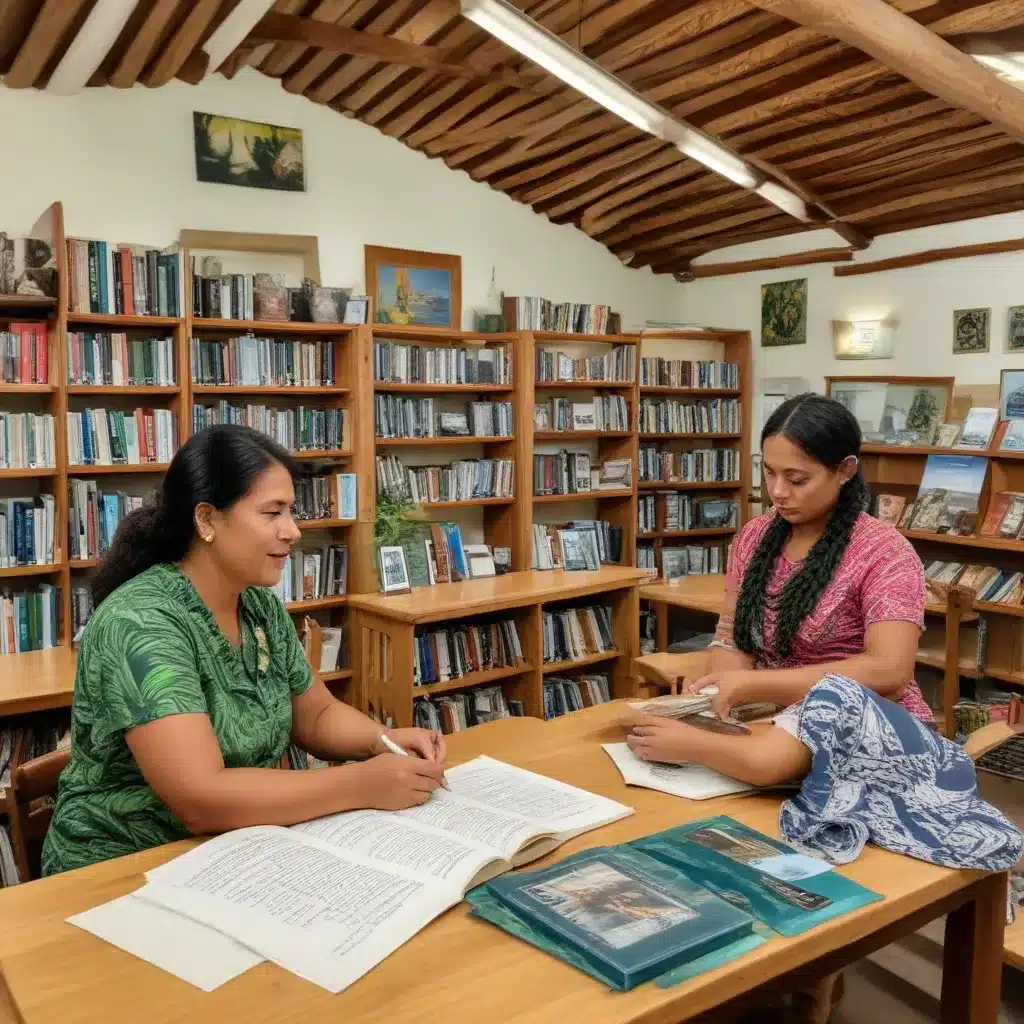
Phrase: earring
(208, 538)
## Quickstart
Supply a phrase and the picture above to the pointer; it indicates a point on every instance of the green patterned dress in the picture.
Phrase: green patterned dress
(154, 649)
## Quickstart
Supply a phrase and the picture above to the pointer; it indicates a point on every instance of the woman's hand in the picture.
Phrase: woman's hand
(734, 687)
(659, 739)
(389, 782)
(426, 743)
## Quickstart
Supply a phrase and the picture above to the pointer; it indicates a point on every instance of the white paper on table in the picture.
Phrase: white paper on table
(691, 781)
(191, 951)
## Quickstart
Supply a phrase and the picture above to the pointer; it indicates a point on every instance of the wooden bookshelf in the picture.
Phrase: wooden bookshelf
(387, 626)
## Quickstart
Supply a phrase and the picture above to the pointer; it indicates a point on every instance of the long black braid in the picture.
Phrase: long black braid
(828, 432)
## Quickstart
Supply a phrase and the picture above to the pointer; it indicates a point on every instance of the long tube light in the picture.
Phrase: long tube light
(228, 35)
(1010, 65)
(536, 43)
(97, 35)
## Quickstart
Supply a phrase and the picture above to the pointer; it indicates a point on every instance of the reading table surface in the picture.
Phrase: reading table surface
(461, 970)
(698, 593)
(37, 680)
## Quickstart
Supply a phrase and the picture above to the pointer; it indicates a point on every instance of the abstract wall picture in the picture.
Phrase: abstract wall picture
(971, 328)
(784, 313)
(1015, 329)
(231, 151)
(416, 289)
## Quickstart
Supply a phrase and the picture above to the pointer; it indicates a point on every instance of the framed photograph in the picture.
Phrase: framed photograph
(453, 424)
(232, 151)
(356, 309)
(414, 289)
(1011, 395)
(394, 572)
(971, 328)
(784, 313)
(1015, 329)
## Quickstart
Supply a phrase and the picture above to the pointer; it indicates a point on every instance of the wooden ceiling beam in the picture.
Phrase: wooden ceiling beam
(176, 51)
(305, 72)
(714, 226)
(987, 206)
(15, 25)
(912, 50)
(43, 40)
(797, 259)
(282, 58)
(920, 259)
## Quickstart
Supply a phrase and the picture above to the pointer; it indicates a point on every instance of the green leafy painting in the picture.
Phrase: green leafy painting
(784, 313)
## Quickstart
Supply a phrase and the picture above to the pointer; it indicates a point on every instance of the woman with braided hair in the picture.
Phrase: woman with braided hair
(815, 586)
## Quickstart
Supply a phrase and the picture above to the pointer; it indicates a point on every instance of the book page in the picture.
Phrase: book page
(190, 951)
(691, 781)
(321, 914)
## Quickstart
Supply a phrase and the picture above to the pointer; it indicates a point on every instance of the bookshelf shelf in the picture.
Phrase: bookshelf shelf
(554, 667)
(919, 450)
(47, 569)
(296, 327)
(1005, 676)
(468, 503)
(936, 658)
(439, 389)
(586, 339)
(721, 531)
(691, 437)
(336, 675)
(18, 303)
(595, 495)
(323, 524)
(120, 321)
(1015, 611)
(653, 391)
(26, 474)
(28, 389)
(580, 435)
(419, 442)
(325, 390)
(120, 467)
(318, 604)
(327, 453)
(690, 485)
(143, 390)
(83, 563)
(589, 385)
(466, 682)
(989, 543)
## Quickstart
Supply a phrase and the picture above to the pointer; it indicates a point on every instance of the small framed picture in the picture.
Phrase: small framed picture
(1015, 329)
(394, 571)
(356, 309)
(971, 330)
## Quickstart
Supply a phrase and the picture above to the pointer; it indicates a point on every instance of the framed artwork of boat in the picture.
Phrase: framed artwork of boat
(414, 289)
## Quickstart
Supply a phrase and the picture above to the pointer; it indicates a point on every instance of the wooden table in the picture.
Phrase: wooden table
(461, 970)
(36, 680)
(704, 594)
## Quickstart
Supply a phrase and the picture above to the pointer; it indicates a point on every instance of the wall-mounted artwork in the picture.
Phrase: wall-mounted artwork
(971, 330)
(784, 313)
(416, 289)
(1015, 329)
(231, 151)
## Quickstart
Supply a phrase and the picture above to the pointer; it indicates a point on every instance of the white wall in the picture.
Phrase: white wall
(122, 163)
(922, 299)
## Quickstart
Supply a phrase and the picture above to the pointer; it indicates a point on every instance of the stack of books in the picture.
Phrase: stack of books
(570, 634)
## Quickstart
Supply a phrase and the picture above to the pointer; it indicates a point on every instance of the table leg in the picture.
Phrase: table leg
(973, 955)
(661, 625)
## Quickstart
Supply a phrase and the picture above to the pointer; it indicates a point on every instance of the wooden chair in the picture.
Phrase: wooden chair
(30, 814)
(664, 669)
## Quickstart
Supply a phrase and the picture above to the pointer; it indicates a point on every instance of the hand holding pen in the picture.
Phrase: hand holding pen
(430, 745)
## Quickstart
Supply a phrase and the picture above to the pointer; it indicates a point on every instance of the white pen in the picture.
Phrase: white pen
(396, 749)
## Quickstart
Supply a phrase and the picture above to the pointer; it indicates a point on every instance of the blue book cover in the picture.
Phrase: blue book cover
(615, 913)
(788, 891)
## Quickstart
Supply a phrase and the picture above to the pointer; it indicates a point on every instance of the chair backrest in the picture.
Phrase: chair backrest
(31, 782)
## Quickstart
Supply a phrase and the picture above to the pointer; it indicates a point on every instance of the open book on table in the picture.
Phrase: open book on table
(330, 898)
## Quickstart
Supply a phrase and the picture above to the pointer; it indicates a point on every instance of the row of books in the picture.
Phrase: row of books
(562, 694)
(456, 711)
(464, 480)
(692, 560)
(397, 416)
(655, 371)
(82, 608)
(580, 545)
(707, 416)
(26, 353)
(568, 472)
(442, 655)
(396, 363)
(989, 584)
(618, 365)
(29, 620)
(532, 313)
(699, 465)
(108, 437)
(27, 440)
(313, 574)
(130, 279)
(299, 429)
(570, 634)
(326, 647)
(114, 359)
(94, 516)
(671, 511)
(325, 496)
(27, 530)
(604, 412)
(251, 361)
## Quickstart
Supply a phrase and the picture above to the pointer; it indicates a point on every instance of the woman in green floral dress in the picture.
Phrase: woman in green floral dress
(192, 682)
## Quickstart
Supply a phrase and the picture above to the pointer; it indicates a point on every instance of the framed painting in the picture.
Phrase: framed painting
(414, 289)
(232, 151)
(1015, 329)
(971, 329)
(784, 313)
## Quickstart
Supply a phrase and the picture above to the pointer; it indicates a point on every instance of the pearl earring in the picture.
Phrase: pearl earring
(208, 537)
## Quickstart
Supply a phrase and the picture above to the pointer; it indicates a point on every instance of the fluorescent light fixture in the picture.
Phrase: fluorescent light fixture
(536, 43)
(97, 35)
(1011, 65)
(787, 201)
(230, 33)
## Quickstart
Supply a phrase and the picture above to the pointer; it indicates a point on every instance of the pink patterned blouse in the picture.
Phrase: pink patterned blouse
(879, 579)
